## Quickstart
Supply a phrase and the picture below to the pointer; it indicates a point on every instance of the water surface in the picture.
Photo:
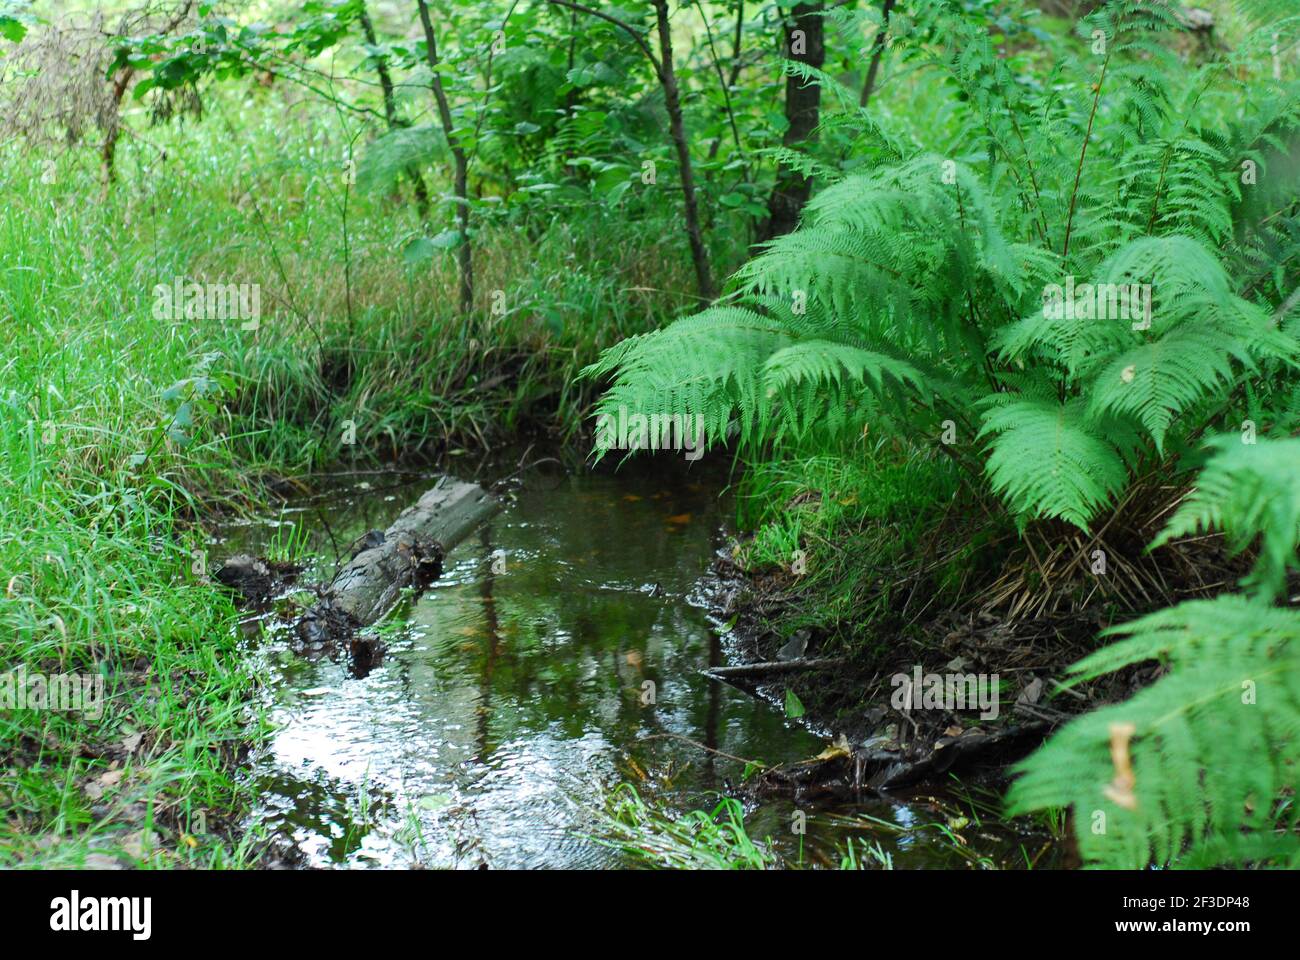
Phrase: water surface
(560, 654)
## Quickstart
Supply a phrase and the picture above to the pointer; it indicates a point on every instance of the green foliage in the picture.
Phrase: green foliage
(1214, 740)
(1248, 491)
(390, 155)
(1213, 753)
(701, 839)
(1064, 300)
(15, 19)
(1075, 470)
(1093, 271)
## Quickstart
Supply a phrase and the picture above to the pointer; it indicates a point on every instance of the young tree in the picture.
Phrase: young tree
(460, 162)
(666, 74)
(805, 42)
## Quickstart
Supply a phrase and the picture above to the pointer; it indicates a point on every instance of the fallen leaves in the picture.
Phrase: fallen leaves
(840, 748)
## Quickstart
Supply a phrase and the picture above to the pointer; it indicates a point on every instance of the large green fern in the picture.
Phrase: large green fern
(913, 294)
(1215, 742)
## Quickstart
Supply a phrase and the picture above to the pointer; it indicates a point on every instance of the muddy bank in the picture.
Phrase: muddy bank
(968, 692)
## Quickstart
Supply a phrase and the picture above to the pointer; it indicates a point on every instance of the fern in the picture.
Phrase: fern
(392, 154)
(1214, 741)
(1250, 492)
(918, 286)
(1213, 745)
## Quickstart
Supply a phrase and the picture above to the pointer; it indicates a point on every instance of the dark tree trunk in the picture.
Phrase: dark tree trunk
(460, 163)
(803, 31)
(877, 52)
(672, 102)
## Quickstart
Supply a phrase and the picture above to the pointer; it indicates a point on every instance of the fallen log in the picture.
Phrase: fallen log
(408, 553)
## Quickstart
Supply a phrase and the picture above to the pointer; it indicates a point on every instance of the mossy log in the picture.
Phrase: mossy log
(408, 553)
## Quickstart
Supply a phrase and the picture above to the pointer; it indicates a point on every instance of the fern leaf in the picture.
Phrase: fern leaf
(1212, 748)
(1250, 491)
(1045, 461)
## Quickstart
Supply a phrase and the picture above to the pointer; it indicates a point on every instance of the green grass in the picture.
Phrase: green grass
(122, 432)
(699, 840)
(817, 518)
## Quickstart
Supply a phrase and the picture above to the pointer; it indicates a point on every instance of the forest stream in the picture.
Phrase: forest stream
(560, 654)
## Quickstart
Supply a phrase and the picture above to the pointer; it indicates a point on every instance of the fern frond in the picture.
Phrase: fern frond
(1155, 382)
(1045, 460)
(1213, 743)
(388, 157)
(1250, 492)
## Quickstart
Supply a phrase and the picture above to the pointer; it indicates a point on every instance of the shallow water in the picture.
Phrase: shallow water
(559, 655)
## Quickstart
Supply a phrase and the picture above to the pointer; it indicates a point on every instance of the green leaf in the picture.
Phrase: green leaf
(12, 29)
(1045, 460)
(422, 249)
(793, 706)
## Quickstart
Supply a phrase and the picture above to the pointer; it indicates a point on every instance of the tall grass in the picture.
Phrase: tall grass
(120, 429)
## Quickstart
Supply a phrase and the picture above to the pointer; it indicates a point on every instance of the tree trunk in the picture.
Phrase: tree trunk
(460, 181)
(802, 110)
(877, 52)
(108, 154)
(412, 547)
(390, 114)
(672, 102)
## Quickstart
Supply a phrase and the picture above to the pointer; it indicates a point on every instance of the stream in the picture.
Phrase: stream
(558, 656)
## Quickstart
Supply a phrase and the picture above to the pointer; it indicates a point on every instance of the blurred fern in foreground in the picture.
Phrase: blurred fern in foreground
(1202, 767)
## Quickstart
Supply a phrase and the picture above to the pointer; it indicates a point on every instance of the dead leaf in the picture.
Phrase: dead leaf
(1033, 690)
(840, 748)
(1120, 790)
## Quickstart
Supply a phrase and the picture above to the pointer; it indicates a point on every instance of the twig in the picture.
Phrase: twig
(705, 747)
(775, 666)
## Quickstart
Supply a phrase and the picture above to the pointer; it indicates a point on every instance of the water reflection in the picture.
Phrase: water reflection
(560, 654)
